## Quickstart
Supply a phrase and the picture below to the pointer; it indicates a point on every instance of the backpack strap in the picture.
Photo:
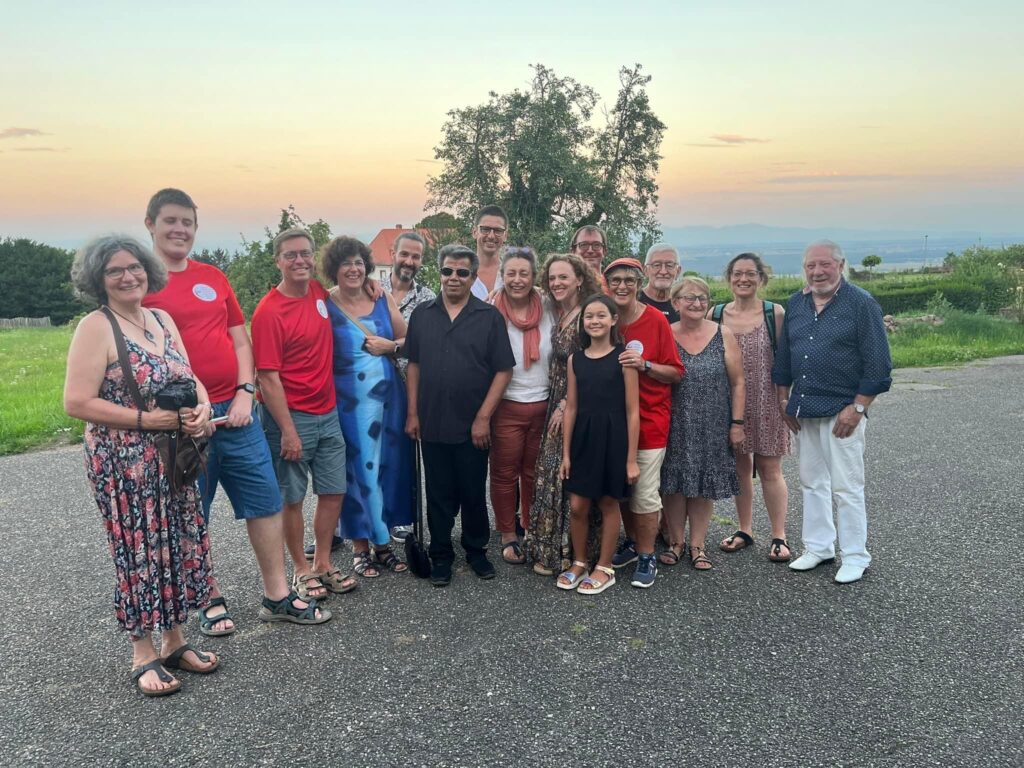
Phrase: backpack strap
(716, 313)
(769, 320)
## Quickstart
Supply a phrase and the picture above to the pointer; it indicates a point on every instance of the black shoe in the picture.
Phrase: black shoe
(482, 567)
(441, 574)
(336, 543)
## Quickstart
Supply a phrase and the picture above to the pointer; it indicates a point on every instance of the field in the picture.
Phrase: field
(32, 370)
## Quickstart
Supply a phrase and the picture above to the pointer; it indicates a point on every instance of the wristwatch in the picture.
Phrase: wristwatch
(247, 387)
(647, 366)
(860, 409)
(398, 350)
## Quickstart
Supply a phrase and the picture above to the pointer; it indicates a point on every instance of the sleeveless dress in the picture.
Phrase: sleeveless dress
(765, 433)
(547, 539)
(371, 410)
(600, 440)
(157, 538)
(699, 463)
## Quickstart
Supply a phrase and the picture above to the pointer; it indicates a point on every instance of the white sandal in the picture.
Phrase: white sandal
(573, 579)
(591, 587)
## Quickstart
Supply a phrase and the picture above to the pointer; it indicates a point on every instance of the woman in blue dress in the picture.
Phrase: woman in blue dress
(368, 335)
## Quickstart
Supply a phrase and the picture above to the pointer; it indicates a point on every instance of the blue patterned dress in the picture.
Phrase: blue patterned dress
(371, 409)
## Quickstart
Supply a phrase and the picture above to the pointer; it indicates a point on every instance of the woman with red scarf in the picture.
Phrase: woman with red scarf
(518, 422)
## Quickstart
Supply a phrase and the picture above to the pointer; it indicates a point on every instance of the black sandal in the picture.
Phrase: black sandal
(157, 666)
(206, 623)
(731, 545)
(517, 552)
(284, 610)
(775, 551)
(177, 660)
(701, 561)
(385, 556)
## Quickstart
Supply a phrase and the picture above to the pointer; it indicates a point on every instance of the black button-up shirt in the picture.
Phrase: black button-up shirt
(830, 357)
(458, 362)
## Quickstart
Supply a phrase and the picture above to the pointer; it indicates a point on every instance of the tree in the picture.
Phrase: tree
(253, 272)
(438, 229)
(35, 281)
(218, 258)
(538, 154)
(870, 261)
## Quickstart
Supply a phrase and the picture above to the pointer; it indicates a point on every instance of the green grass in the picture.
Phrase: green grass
(31, 389)
(32, 370)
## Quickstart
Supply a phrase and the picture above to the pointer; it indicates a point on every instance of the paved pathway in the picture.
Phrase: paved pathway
(919, 664)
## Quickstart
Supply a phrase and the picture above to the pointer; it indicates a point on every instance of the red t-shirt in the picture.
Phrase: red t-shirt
(203, 306)
(293, 337)
(651, 330)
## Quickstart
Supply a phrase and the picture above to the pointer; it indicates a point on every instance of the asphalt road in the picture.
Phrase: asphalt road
(919, 664)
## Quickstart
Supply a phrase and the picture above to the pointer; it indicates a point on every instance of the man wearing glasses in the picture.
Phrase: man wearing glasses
(490, 229)
(591, 244)
(661, 267)
(651, 351)
(460, 361)
(292, 345)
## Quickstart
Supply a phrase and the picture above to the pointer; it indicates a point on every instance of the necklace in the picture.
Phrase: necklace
(145, 331)
(568, 317)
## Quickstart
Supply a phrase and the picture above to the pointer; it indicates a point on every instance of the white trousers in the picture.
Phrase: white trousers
(832, 469)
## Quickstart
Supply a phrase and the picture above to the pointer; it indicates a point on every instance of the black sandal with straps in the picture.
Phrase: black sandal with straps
(386, 557)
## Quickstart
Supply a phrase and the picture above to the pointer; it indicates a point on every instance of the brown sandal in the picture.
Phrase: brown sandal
(337, 582)
(305, 583)
(700, 562)
(670, 556)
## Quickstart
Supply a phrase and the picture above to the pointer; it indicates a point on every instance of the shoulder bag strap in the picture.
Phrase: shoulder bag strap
(353, 320)
(716, 313)
(122, 357)
(769, 320)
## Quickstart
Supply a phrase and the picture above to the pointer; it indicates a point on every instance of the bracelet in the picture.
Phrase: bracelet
(737, 421)
(138, 420)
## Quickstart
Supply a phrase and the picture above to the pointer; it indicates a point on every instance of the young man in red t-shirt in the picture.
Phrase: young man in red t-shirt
(651, 351)
(203, 305)
(293, 346)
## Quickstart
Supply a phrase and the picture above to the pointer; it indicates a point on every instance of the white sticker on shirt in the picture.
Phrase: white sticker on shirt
(204, 292)
(636, 344)
(321, 308)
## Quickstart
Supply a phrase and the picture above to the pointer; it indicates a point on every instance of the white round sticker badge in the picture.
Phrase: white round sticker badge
(635, 344)
(321, 307)
(204, 292)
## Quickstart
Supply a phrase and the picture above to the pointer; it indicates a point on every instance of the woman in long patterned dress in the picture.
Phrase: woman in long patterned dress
(566, 281)
(707, 424)
(765, 436)
(157, 537)
(371, 408)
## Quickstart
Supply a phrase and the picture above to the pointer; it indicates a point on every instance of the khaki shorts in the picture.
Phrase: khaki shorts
(646, 498)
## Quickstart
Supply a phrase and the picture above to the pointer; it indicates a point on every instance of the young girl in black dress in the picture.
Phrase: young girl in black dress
(601, 428)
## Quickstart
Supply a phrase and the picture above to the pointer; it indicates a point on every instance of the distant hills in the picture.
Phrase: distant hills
(738, 234)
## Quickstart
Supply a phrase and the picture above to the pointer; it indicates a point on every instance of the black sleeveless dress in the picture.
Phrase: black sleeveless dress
(600, 441)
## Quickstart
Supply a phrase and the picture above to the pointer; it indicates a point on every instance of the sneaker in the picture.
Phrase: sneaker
(625, 554)
(400, 533)
(441, 574)
(482, 567)
(336, 543)
(646, 570)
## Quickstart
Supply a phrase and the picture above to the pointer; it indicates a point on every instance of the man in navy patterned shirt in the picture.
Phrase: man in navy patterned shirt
(833, 360)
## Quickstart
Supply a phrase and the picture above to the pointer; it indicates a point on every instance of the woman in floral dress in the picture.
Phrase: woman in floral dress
(157, 537)
(565, 281)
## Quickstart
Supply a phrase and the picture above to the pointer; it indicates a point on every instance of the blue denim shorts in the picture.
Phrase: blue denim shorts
(323, 454)
(239, 459)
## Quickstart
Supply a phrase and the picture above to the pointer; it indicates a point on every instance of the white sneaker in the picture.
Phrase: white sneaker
(808, 561)
(848, 574)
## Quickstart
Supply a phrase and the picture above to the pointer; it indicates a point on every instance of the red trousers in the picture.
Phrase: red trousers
(516, 430)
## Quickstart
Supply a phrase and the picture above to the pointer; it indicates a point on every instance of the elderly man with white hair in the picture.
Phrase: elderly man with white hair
(661, 268)
(833, 360)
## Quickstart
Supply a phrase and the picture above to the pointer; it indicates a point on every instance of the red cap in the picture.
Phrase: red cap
(626, 261)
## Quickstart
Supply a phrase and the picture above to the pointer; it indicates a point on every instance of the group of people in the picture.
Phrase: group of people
(599, 395)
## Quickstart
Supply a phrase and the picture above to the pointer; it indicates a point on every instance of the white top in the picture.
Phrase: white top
(479, 288)
(530, 386)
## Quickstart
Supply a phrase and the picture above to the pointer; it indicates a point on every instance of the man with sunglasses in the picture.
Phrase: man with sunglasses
(490, 230)
(460, 362)
(661, 267)
(651, 351)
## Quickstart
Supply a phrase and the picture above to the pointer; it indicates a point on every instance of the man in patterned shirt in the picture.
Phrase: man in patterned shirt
(833, 360)
(406, 260)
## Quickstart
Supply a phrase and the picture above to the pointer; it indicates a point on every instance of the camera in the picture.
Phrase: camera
(177, 395)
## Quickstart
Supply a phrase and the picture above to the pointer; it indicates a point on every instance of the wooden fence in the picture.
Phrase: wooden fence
(24, 322)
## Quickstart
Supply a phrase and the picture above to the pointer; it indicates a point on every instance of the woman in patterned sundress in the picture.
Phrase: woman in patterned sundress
(565, 280)
(157, 537)
(765, 436)
(707, 424)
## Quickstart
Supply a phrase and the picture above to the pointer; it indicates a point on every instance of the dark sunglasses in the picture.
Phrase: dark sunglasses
(461, 272)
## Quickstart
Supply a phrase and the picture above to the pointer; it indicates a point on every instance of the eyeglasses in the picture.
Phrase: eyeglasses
(629, 282)
(751, 275)
(293, 255)
(589, 245)
(691, 298)
(462, 272)
(359, 263)
(490, 230)
(659, 266)
(116, 273)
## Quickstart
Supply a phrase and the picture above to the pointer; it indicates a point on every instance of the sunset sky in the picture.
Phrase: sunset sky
(869, 115)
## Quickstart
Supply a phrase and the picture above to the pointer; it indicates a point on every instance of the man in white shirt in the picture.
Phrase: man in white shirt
(490, 230)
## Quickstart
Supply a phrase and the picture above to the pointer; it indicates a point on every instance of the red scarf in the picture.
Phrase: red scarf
(530, 326)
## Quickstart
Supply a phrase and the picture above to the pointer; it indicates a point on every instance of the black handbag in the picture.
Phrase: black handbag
(416, 556)
(183, 456)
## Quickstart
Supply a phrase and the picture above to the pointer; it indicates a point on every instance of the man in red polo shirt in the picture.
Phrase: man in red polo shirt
(651, 351)
(293, 347)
